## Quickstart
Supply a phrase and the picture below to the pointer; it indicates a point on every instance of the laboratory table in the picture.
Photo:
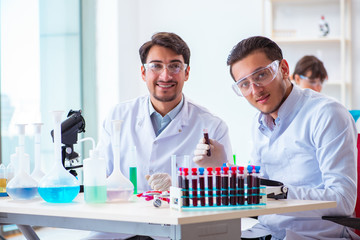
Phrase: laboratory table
(141, 217)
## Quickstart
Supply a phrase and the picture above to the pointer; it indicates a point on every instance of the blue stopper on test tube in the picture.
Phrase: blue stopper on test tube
(201, 171)
(257, 169)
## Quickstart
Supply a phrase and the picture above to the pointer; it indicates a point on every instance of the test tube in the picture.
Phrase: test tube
(218, 185)
(225, 186)
(241, 186)
(202, 186)
(207, 141)
(180, 177)
(256, 185)
(133, 168)
(185, 185)
(210, 186)
(249, 182)
(194, 186)
(233, 186)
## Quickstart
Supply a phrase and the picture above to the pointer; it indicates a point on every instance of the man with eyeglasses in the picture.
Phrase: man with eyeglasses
(301, 138)
(163, 123)
(310, 73)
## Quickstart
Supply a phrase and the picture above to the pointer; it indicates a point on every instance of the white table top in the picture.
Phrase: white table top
(143, 211)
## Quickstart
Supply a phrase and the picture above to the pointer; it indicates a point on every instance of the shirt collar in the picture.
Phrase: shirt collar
(285, 110)
(172, 114)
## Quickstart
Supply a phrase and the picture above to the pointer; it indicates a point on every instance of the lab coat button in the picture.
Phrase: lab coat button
(151, 171)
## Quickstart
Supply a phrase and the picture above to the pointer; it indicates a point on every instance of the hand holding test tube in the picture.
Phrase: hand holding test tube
(217, 157)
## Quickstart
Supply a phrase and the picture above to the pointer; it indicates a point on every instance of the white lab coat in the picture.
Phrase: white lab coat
(179, 138)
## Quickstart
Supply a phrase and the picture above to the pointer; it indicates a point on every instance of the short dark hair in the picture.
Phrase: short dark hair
(251, 45)
(313, 64)
(167, 40)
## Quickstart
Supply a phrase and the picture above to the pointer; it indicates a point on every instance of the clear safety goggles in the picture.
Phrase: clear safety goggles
(261, 77)
(158, 67)
(312, 81)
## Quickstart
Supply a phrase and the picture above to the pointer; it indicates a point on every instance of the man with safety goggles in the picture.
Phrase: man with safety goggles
(300, 138)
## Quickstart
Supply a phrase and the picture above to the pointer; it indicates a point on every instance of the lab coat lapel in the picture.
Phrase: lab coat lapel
(144, 124)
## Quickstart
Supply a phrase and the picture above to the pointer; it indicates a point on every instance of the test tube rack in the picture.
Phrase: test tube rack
(228, 195)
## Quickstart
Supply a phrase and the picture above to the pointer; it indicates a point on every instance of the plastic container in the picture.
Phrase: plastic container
(37, 173)
(119, 188)
(94, 178)
(22, 186)
(58, 186)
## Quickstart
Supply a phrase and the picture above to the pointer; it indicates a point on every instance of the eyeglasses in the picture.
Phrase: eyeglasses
(158, 67)
(312, 81)
(260, 78)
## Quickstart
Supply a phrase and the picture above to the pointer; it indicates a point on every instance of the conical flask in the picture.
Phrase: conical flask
(119, 188)
(58, 186)
(22, 186)
(37, 173)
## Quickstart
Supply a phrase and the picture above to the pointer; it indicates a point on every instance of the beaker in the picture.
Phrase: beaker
(58, 186)
(37, 173)
(22, 186)
(118, 186)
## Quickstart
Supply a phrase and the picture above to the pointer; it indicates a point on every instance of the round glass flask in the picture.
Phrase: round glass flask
(22, 186)
(58, 186)
(119, 188)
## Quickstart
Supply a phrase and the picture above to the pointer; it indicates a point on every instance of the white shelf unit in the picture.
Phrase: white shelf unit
(294, 25)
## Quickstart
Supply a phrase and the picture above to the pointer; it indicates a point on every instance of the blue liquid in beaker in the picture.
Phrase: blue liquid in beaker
(22, 193)
(59, 194)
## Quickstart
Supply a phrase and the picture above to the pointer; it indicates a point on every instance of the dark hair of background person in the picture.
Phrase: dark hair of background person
(313, 64)
(252, 44)
(167, 40)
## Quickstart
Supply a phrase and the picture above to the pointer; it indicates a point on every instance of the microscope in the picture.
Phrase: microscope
(70, 128)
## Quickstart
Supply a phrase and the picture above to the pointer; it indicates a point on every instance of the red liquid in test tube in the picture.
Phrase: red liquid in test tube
(225, 186)
(249, 182)
(185, 185)
(210, 186)
(233, 186)
(256, 185)
(202, 186)
(207, 141)
(241, 186)
(218, 185)
(194, 186)
(180, 177)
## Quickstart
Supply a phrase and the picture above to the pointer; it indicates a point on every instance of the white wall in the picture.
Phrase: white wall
(211, 28)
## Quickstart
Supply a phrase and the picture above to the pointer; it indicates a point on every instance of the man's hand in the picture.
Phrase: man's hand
(217, 158)
(159, 181)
